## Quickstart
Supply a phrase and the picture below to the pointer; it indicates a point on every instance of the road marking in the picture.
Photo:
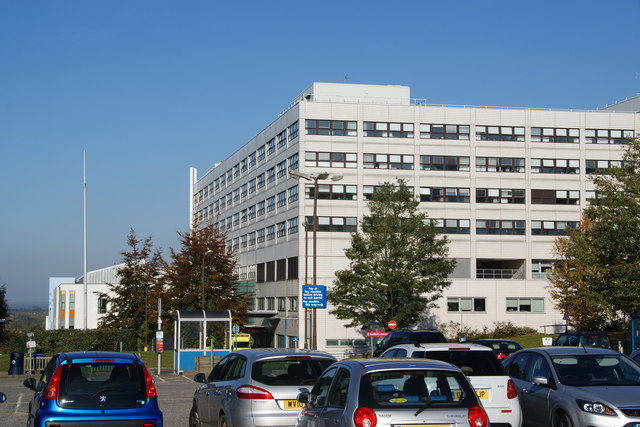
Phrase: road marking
(160, 378)
(18, 403)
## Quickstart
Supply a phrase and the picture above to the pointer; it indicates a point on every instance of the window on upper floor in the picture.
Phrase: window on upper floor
(260, 235)
(500, 227)
(243, 165)
(293, 194)
(500, 195)
(500, 133)
(368, 190)
(252, 160)
(293, 131)
(282, 140)
(388, 161)
(333, 192)
(271, 175)
(525, 305)
(445, 194)
(271, 233)
(282, 199)
(555, 135)
(442, 131)
(236, 171)
(555, 197)
(230, 176)
(445, 163)
(602, 166)
(500, 164)
(331, 127)
(388, 129)
(292, 225)
(251, 212)
(555, 166)
(243, 216)
(282, 169)
(252, 186)
(271, 204)
(252, 238)
(453, 226)
(260, 208)
(540, 268)
(271, 147)
(331, 160)
(261, 153)
(261, 180)
(608, 136)
(293, 162)
(334, 223)
(551, 228)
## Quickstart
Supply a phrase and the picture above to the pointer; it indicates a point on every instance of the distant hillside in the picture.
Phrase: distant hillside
(26, 319)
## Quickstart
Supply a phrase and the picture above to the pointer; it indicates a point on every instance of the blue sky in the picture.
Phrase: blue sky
(150, 88)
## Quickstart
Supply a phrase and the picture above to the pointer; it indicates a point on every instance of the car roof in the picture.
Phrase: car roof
(258, 353)
(374, 364)
(98, 355)
(583, 333)
(443, 346)
(573, 351)
(495, 340)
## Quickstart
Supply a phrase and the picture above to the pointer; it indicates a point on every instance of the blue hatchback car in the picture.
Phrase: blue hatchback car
(97, 388)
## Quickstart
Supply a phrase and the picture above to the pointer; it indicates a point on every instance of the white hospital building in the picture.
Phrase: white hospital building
(502, 183)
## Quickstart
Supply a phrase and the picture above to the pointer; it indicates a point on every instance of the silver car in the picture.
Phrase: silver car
(251, 388)
(576, 386)
(391, 392)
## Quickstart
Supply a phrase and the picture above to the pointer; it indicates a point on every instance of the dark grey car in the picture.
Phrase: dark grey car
(576, 386)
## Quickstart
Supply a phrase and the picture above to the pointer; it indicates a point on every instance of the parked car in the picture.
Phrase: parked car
(391, 392)
(3, 397)
(501, 348)
(568, 386)
(405, 336)
(635, 356)
(105, 388)
(583, 339)
(487, 376)
(256, 387)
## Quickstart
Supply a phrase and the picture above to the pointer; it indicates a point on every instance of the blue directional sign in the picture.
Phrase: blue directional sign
(314, 296)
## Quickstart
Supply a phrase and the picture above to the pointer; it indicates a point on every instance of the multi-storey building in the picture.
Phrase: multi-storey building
(503, 183)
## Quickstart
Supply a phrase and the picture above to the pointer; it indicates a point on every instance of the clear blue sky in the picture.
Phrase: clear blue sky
(150, 88)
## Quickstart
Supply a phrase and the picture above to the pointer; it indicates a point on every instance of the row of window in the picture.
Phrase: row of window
(470, 304)
(277, 303)
(463, 132)
(499, 195)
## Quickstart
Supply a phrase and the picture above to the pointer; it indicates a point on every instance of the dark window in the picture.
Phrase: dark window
(500, 195)
(473, 363)
(500, 164)
(331, 160)
(555, 166)
(388, 161)
(501, 227)
(260, 273)
(331, 127)
(271, 271)
(500, 133)
(444, 163)
(442, 131)
(435, 194)
(555, 135)
(292, 268)
(555, 197)
(282, 269)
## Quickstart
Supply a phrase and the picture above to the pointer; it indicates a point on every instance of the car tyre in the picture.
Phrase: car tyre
(194, 417)
(561, 419)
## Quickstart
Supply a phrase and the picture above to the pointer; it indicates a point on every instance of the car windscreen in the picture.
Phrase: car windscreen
(289, 370)
(104, 385)
(413, 388)
(473, 363)
(593, 370)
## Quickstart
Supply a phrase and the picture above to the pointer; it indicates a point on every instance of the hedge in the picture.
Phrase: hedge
(66, 340)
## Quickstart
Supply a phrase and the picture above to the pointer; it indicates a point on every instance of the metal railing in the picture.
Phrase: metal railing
(501, 273)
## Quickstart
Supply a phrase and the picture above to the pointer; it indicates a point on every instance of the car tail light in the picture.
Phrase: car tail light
(252, 392)
(501, 356)
(477, 417)
(51, 392)
(459, 348)
(365, 417)
(512, 392)
(148, 381)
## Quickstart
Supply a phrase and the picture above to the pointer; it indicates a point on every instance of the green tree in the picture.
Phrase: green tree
(202, 275)
(398, 266)
(132, 303)
(4, 314)
(602, 256)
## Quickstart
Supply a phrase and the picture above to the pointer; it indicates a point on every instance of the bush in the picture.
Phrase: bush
(454, 331)
(59, 340)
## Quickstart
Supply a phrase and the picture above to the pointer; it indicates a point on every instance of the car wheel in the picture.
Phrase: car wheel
(222, 421)
(561, 419)
(194, 417)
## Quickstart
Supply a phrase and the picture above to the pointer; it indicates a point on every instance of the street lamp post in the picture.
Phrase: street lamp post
(204, 255)
(315, 178)
(390, 295)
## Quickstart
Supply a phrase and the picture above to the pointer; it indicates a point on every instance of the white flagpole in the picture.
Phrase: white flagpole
(84, 179)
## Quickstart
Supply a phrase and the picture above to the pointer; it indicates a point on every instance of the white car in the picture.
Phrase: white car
(496, 390)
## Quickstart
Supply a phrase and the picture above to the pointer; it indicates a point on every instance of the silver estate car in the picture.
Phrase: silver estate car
(391, 392)
(576, 386)
(252, 388)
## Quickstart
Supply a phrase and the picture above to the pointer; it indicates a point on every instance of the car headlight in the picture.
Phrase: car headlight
(596, 408)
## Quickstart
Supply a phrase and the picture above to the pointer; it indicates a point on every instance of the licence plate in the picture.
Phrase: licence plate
(482, 394)
(292, 404)
(423, 425)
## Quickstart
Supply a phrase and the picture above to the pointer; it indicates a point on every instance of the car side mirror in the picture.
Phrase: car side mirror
(30, 383)
(200, 378)
(540, 381)
(303, 396)
(3, 397)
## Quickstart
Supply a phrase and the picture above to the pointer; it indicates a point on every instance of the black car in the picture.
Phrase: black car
(583, 339)
(501, 348)
(405, 336)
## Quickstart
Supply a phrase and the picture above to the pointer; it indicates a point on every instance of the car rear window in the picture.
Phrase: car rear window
(103, 385)
(414, 388)
(289, 371)
(472, 363)
(504, 345)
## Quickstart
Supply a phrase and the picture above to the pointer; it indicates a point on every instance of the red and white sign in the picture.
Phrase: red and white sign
(391, 324)
(377, 334)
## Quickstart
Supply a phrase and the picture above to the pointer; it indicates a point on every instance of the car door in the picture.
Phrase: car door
(208, 395)
(317, 399)
(537, 396)
(517, 370)
(221, 394)
(34, 404)
(332, 414)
